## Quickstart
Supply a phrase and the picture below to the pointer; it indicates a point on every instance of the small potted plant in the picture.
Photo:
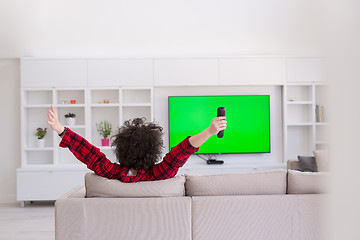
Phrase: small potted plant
(70, 119)
(40, 134)
(104, 129)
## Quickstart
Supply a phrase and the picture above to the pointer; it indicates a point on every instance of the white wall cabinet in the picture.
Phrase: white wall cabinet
(39, 185)
(252, 71)
(120, 72)
(53, 73)
(186, 72)
(300, 70)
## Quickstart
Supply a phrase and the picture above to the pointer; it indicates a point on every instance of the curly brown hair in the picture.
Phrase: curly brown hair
(138, 144)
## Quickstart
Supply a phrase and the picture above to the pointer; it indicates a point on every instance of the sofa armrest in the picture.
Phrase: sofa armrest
(69, 218)
(77, 192)
(69, 214)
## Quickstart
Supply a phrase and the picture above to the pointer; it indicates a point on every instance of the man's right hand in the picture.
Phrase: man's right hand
(217, 124)
(54, 121)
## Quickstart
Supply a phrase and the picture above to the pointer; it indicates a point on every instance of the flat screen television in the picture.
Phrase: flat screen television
(248, 122)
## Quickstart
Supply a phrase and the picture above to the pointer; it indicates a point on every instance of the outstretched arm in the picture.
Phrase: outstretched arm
(83, 150)
(179, 154)
(54, 120)
(217, 124)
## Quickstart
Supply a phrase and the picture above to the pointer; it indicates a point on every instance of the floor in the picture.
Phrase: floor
(36, 221)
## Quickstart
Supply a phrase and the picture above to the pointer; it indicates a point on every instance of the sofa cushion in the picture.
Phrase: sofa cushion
(258, 183)
(307, 182)
(307, 163)
(97, 186)
(322, 160)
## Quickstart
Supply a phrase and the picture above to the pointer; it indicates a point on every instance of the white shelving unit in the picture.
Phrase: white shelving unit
(302, 134)
(92, 105)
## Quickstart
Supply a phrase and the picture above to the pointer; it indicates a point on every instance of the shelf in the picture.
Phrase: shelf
(105, 148)
(299, 102)
(136, 96)
(76, 126)
(32, 167)
(300, 124)
(105, 105)
(299, 93)
(138, 111)
(70, 94)
(33, 97)
(39, 149)
(37, 106)
(69, 105)
(321, 123)
(98, 96)
(100, 114)
(137, 105)
(35, 157)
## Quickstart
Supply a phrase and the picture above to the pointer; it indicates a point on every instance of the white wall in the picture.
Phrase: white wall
(90, 28)
(10, 127)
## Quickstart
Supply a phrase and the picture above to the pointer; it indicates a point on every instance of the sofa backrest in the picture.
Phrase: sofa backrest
(257, 183)
(97, 186)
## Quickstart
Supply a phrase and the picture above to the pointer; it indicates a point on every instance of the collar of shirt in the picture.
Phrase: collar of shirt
(125, 177)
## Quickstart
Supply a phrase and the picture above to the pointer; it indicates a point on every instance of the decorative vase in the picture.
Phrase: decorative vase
(41, 143)
(71, 121)
(105, 142)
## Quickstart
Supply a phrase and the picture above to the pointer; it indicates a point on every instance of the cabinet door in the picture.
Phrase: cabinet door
(252, 71)
(120, 72)
(186, 72)
(53, 73)
(46, 185)
(305, 70)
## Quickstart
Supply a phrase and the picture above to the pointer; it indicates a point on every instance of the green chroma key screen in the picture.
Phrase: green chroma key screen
(247, 116)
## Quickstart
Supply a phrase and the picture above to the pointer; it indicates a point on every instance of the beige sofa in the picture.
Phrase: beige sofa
(275, 205)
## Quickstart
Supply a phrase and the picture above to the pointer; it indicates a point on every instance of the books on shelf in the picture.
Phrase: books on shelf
(319, 113)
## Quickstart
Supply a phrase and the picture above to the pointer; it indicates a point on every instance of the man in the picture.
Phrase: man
(138, 147)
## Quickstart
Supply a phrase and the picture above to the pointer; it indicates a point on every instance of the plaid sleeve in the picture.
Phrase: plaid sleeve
(173, 160)
(90, 155)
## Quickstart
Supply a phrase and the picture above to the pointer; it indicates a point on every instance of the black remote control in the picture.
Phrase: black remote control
(213, 161)
(221, 113)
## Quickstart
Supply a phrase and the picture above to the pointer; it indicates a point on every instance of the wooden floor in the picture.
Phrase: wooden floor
(35, 221)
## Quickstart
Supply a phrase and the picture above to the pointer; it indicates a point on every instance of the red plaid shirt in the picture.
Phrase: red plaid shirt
(97, 161)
